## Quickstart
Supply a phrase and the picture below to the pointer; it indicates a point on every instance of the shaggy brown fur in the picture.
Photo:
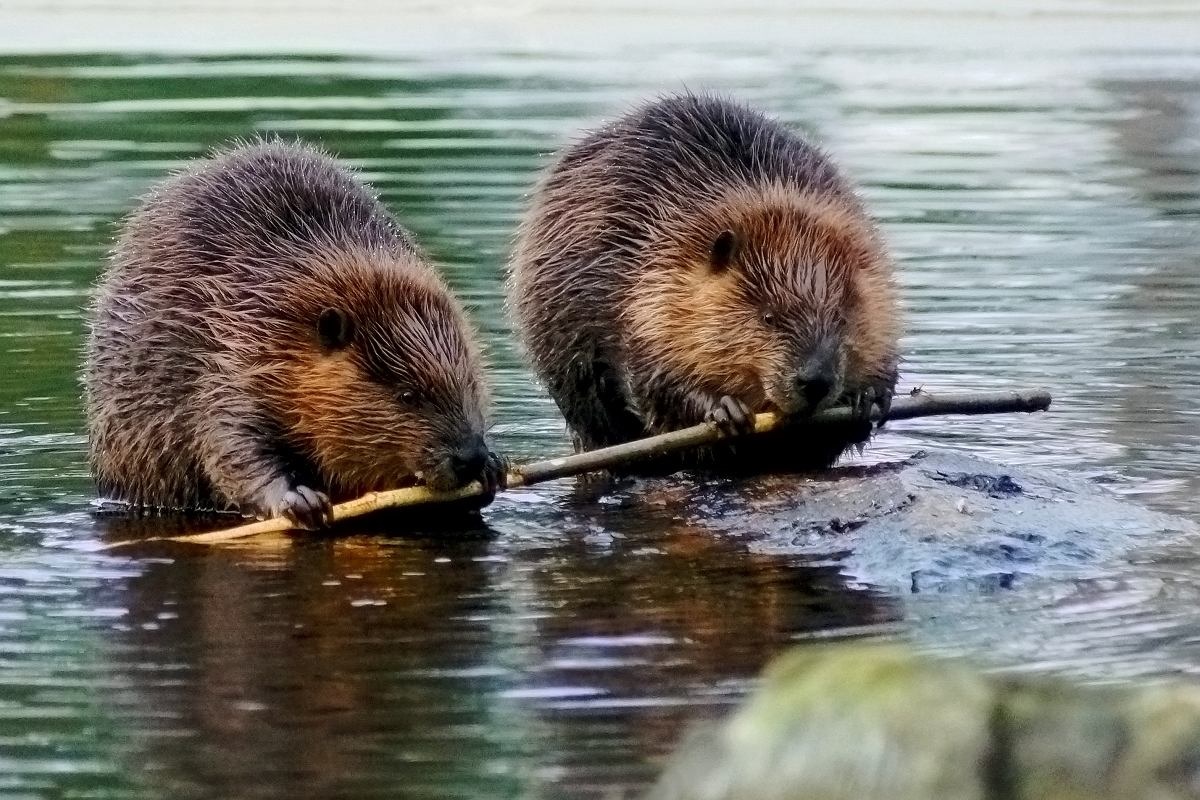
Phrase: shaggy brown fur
(695, 260)
(266, 335)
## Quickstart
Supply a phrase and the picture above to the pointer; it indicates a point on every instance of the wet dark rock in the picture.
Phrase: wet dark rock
(941, 521)
(992, 485)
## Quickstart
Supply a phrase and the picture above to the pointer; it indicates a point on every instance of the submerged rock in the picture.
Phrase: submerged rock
(943, 520)
(867, 722)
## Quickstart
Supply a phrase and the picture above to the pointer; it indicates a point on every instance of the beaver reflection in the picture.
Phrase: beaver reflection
(312, 668)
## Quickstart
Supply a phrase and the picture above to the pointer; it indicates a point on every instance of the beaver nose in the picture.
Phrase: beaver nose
(813, 390)
(469, 459)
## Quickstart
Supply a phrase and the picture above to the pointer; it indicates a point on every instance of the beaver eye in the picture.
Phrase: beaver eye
(408, 397)
(335, 328)
(769, 319)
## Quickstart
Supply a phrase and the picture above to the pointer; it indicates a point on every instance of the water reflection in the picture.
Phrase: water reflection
(331, 667)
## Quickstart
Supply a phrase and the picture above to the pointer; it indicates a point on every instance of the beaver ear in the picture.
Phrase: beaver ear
(723, 249)
(335, 328)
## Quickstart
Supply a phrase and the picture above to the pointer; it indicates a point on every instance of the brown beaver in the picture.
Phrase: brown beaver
(266, 336)
(695, 260)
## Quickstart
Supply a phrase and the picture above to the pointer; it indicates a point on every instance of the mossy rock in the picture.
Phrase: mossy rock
(860, 722)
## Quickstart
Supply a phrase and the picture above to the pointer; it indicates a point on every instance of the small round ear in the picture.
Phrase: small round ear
(335, 328)
(723, 249)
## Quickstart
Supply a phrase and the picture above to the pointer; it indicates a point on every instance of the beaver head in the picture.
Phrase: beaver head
(781, 298)
(377, 375)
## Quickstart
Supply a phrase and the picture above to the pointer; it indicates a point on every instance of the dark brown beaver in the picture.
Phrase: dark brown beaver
(266, 335)
(695, 260)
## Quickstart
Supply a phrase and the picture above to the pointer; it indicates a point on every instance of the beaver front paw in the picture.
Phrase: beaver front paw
(865, 400)
(495, 474)
(731, 416)
(308, 508)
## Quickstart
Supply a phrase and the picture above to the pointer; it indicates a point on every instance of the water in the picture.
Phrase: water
(1038, 176)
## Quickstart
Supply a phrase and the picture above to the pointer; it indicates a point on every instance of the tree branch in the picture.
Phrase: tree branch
(917, 404)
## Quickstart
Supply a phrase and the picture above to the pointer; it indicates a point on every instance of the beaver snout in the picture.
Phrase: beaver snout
(468, 459)
(460, 463)
(813, 390)
(806, 393)
(814, 382)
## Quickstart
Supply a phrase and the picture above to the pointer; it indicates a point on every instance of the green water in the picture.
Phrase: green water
(1044, 212)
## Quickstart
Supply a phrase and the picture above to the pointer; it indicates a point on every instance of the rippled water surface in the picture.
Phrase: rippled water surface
(1043, 203)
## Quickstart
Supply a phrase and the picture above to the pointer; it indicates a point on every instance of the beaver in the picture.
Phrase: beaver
(695, 260)
(266, 336)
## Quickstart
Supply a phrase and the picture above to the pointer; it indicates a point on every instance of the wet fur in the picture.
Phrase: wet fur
(627, 323)
(206, 381)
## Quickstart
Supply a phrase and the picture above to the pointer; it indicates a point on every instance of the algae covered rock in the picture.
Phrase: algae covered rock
(860, 722)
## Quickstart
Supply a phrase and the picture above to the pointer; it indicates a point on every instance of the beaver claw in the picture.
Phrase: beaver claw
(731, 416)
(873, 396)
(495, 474)
(308, 508)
